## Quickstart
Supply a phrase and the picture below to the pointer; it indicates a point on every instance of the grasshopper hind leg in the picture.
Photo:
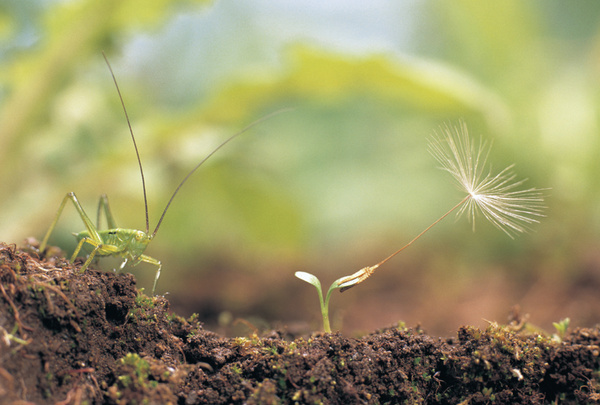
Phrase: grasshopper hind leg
(93, 237)
(103, 205)
(97, 247)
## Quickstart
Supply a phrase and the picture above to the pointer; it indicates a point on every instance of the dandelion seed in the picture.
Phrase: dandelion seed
(494, 195)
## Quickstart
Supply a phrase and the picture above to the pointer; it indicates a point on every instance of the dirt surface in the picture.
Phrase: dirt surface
(71, 338)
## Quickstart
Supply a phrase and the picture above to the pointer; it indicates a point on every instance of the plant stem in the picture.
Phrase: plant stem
(464, 200)
(326, 326)
(325, 308)
(350, 281)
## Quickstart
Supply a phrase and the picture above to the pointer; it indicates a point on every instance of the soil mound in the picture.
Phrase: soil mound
(68, 337)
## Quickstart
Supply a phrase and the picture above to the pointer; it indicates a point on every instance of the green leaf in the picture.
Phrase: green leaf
(309, 278)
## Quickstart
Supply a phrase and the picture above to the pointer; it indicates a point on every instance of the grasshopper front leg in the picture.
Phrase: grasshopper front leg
(155, 262)
(94, 238)
(147, 259)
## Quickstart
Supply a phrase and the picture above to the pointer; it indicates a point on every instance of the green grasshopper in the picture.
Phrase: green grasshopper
(129, 244)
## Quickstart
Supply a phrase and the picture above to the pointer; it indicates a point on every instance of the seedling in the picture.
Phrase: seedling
(136, 372)
(309, 278)
(561, 329)
(128, 244)
(7, 337)
(494, 195)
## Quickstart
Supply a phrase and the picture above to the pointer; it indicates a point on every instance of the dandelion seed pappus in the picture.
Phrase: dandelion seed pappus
(495, 195)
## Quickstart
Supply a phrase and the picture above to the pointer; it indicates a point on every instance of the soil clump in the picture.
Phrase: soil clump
(68, 337)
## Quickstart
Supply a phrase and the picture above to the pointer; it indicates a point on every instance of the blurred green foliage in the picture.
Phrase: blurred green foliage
(344, 178)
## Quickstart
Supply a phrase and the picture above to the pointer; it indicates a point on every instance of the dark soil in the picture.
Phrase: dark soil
(71, 338)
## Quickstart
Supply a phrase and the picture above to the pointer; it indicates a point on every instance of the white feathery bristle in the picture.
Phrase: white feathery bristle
(494, 195)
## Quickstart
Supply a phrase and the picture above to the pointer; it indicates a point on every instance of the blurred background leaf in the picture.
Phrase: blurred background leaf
(333, 185)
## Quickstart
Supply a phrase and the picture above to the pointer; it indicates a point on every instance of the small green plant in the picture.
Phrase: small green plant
(137, 372)
(237, 369)
(309, 278)
(7, 337)
(494, 195)
(561, 329)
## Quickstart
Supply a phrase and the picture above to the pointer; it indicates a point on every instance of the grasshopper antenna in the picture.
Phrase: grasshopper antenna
(134, 143)
(208, 156)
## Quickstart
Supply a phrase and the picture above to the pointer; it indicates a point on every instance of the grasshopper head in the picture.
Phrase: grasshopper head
(141, 237)
(137, 241)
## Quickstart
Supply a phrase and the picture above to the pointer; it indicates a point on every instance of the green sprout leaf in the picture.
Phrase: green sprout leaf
(311, 279)
(561, 329)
